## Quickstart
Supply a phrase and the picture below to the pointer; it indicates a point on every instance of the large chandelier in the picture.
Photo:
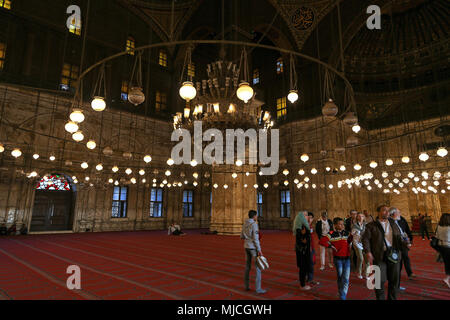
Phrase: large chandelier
(222, 99)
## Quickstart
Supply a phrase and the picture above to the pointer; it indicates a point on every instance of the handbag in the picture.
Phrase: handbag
(391, 254)
(261, 263)
(434, 243)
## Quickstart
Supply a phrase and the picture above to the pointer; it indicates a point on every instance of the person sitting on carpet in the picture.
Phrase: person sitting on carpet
(175, 230)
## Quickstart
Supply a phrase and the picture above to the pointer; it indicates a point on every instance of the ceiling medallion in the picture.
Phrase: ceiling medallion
(303, 18)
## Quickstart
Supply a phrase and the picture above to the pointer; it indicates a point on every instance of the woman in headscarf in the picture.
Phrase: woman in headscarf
(302, 235)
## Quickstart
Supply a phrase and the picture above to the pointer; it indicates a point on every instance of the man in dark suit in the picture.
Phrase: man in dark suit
(381, 238)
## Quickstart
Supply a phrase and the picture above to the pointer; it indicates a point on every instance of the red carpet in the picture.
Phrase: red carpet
(152, 265)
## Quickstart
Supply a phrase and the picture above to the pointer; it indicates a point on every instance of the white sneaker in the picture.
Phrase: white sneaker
(306, 288)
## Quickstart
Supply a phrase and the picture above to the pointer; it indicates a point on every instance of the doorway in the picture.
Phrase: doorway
(53, 205)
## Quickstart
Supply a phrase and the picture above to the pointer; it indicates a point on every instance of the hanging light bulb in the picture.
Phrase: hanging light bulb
(2, 148)
(128, 171)
(384, 174)
(424, 156)
(168, 173)
(77, 116)
(245, 92)
(304, 157)
(293, 96)
(314, 171)
(116, 183)
(389, 162)
(286, 172)
(141, 172)
(357, 167)
(111, 181)
(195, 183)
(373, 164)
(231, 108)
(98, 104)
(16, 153)
(195, 175)
(71, 127)
(194, 163)
(239, 163)
(170, 162)
(99, 167)
(52, 158)
(84, 165)
(330, 109)
(133, 180)
(301, 172)
(147, 159)
(115, 169)
(78, 136)
(91, 145)
(442, 152)
(234, 175)
(405, 159)
(188, 91)
(356, 128)
(35, 156)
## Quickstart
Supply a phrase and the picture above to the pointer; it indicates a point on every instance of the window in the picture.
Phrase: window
(156, 203)
(285, 197)
(280, 66)
(161, 101)
(75, 27)
(259, 203)
(162, 58)
(5, 4)
(188, 201)
(54, 183)
(256, 79)
(191, 70)
(281, 107)
(2, 54)
(211, 203)
(69, 76)
(119, 205)
(131, 45)
(124, 91)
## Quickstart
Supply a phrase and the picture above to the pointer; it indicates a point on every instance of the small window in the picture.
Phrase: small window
(74, 27)
(131, 45)
(163, 58)
(2, 55)
(156, 203)
(191, 70)
(119, 205)
(69, 76)
(280, 66)
(256, 78)
(285, 199)
(211, 203)
(124, 91)
(188, 203)
(281, 107)
(161, 101)
(5, 4)
(259, 203)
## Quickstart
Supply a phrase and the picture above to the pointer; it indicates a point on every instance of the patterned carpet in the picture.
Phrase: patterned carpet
(152, 265)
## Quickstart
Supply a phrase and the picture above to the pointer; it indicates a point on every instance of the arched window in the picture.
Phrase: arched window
(131, 45)
(75, 27)
(280, 66)
(54, 183)
(163, 58)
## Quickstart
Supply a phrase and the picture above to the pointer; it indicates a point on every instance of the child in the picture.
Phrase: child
(340, 240)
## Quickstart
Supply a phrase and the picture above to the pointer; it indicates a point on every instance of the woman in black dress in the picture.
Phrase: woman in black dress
(302, 235)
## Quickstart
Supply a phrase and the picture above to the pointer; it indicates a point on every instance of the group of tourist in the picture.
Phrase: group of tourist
(361, 243)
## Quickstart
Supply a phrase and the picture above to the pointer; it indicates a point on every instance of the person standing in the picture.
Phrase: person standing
(350, 221)
(382, 243)
(368, 216)
(340, 240)
(310, 276)
(357, 231)
(250, 233)
(443, 234)
(423, 226)
(302, 235)
(407, 239)
(323, 227)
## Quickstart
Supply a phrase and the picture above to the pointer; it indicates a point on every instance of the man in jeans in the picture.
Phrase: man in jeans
(250, 233)
(340, 240)
(379, 238)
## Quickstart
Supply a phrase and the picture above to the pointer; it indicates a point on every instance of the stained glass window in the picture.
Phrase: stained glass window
(280, 66)
(256, 78)
(131, 45)
(191, 70)
(162, 58)
(124, 91)
(75, 27)
(54, 183)
(5, 4)
(2, 54)
(259, 202)
(281, 107)
(69, 76)
(161, 101)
